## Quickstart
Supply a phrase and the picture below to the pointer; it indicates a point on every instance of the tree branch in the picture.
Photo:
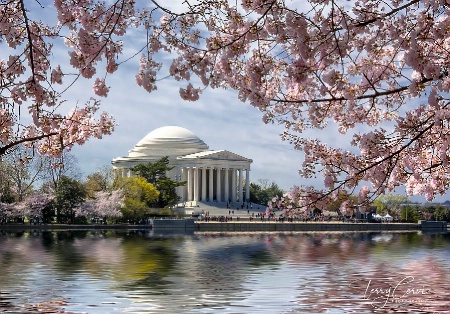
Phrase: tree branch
(3, 149)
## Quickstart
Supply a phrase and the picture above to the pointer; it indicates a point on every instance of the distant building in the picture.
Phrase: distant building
(211, 175)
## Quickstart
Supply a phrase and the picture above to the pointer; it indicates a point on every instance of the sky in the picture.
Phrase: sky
(219, 118)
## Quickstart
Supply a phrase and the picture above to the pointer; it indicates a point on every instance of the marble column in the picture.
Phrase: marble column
(233, 185)
(247, 184)
(184, 188)
(218, 187)
(227, 185)
(177, 179)
(211, 184)
(203, 184)
(189, 184)
(196, 184)
(241, 190)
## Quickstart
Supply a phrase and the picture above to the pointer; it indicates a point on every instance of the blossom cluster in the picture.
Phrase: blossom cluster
(32, 207)
(30, 80)
(103, 205)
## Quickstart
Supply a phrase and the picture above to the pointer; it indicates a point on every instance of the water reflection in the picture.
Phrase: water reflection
(148, 272)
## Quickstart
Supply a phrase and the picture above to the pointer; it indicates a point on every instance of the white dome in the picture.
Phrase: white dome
(169, 141)
(169, 134)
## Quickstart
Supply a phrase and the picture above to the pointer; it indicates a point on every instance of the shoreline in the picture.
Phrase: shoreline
(56, 227)
(241, 226)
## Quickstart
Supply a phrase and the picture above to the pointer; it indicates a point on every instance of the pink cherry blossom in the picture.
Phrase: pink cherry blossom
(104, 205)
(190, 93)
(100, 88)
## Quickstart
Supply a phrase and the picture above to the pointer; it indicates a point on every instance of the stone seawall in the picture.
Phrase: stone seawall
(247, 226)
(300, 226)
(424, 225)
(172, 223)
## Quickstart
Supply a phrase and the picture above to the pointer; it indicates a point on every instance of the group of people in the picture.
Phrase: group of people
(251, 217)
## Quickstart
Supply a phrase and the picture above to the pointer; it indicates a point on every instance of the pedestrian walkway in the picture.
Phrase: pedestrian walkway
(221, 209)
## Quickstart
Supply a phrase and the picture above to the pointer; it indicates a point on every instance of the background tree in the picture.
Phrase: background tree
(335, 204)
(54, 168)
(411, 213)
(390, 204)
(69, 194)
(99, 181)
(16, 178)
(6, 193)
(156, 174)
(25, 170)
(263, 191)
(442, 213)
(39, 207)
(104, 205)
(139, 194)
(109, 204)
(415, 212)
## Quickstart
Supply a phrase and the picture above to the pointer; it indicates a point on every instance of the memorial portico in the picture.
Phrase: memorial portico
(210, 175)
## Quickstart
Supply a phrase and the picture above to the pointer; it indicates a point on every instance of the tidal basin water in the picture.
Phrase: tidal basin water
(154, 272)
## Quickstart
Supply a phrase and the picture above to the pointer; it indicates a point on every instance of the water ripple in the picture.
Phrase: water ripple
(134, 272)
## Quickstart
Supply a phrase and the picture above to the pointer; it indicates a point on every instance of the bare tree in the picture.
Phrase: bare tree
(55, 168)
(22, 170)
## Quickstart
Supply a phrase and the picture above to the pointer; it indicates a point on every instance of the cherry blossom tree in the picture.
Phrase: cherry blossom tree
(29, 102)
(36, 206)
(100, 180)
(86, 209)
(7, 212)
(346, 209)
(103, 205)
(376, 71)
(108, 204)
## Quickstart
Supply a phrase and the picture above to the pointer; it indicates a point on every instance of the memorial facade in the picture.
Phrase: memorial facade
(211, 175)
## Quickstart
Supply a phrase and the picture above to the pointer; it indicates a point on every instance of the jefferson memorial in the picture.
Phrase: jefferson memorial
(211, 175)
